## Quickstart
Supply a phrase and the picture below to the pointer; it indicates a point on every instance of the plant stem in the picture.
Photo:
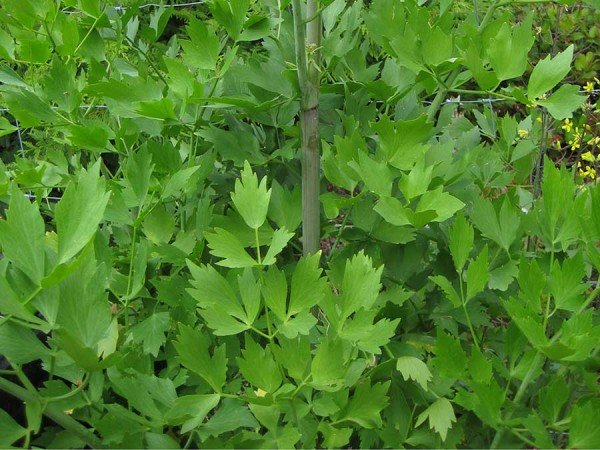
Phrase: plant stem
(54, 413)
(308, 37)
(436, 104)
(464, 307)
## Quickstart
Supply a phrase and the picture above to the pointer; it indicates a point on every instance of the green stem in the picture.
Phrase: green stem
(436, 104)
(464, 307)
(486, 93)
(54, 413)
(308, 37)
(87, 35)
(257, 243)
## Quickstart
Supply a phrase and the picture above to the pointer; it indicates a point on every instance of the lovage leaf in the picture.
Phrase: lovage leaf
(150, 332)
(366, 405)
(258, 367)
(22, 236)
(477, 274)
(360, 286)
(461, 241)
(549, 72)
(251, 199)
(440, 415)
(415, 369)
(227, 246)
(308, 287)
(79, 212)
(280, 239)
(192, 347)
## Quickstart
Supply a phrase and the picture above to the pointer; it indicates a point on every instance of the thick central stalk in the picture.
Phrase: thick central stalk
(308, 41)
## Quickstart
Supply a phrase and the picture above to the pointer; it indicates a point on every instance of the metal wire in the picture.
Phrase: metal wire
(158, 5)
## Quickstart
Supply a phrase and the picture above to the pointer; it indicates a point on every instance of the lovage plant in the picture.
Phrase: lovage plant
(289, 224)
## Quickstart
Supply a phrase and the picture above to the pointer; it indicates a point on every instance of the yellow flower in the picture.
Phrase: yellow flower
(260, 393)
(567, 125)
(558, 144)
(538, 119)
(589, 87)
(589, 172)
(522, 133)
(594, 141)
(588, 156)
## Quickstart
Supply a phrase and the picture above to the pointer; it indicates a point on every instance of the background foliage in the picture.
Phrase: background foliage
(152, 292)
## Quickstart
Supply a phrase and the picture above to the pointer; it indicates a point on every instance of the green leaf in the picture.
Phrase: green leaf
(22, 236)
(377, 176)
(502, 228)
(232, 415)
(157, 109)
(477, 274)
(20, 345)
(10, 430)
(231, 14)
(280, 239)
(440, 415)
(10, 303)
(328, 365)
(461, 241)
(91, 136)
(448, 289)
(285, 207)
(548, 73)
(479, 367)
(564, 101)
(415, 369)
(251, 199)
(392, 211)
(450, 359)
(308, 287)
(417, 181)
(360, 286)
(366, 404)
(584, 431)
(442, 203)
(150, 332)
(508, 50)
(192, 347)
(566, 284)
(29, 109)
(84, 311)
(202, 50)
(191, 410)
(258, 367)
(250, 294)
(224, 244)
(138, 170)
(178, 181)
(79, 212)
(220, 306)
(437, 47)
(6, 127)
(274, 290)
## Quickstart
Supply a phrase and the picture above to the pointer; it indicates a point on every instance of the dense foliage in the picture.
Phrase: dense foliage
(152, 288)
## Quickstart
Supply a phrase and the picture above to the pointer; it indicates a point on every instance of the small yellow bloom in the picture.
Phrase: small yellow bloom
(594, 141)
(567, 125)
(588, 156)
(558, 144)
(522, 133)
(260, 393)
(589, 87)
(589, 172)
(538, 119)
